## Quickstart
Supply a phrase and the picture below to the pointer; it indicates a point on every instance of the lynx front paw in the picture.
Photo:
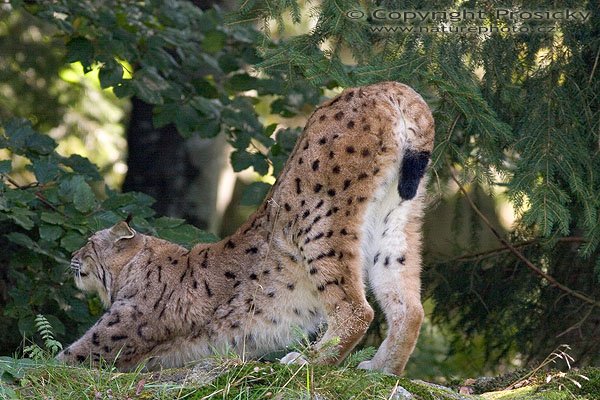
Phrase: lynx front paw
(373, 365)
(294, 358)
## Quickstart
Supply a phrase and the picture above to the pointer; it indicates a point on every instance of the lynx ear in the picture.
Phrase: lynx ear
(122, 231)
(412, 171)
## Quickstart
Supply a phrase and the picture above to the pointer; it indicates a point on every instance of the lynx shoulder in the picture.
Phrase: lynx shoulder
(344, 213)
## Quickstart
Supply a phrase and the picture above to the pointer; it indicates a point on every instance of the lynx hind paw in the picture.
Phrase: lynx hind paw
(366, 365)
(294, 358)
(371, 365)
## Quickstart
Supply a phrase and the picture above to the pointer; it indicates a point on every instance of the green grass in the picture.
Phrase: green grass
(216, 379)
(234, 379)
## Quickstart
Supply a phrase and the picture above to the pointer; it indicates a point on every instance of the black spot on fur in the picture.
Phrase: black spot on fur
(331, 192)
(347, 184)
(298, 189)
(230, 245)
(339, 115)
(253, 276)
(350, 124)
(315, 165)
(229, 275)
(115, 320)
(291, 286)
(207, 288)
(401, 260)
(362, 175)
(350, 150)
(320, 203)
(412, 171)
(318, 188)
(252, 250)
(336, 169)
(323, 140)
(116, 338)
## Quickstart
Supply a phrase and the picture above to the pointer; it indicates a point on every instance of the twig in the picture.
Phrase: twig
(487, 253)
(37, 194)
(517, 253)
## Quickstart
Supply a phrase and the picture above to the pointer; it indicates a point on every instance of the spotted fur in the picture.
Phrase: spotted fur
(344, 212)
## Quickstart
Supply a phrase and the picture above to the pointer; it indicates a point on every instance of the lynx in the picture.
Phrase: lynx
(344, 213)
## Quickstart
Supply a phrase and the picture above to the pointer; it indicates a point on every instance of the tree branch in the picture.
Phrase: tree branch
(37, 194)
(492, 252)
(551, 280)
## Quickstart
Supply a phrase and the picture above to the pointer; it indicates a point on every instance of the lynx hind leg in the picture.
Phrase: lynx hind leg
(338, 280)
(395, 280)
(114, 338)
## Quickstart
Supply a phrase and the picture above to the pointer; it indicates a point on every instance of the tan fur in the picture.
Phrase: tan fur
(302, 258)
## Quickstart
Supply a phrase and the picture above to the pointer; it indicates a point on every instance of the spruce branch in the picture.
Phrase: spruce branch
(503, 249)
(550, 279)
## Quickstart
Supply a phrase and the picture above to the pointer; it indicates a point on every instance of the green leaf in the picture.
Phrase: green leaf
(72, 241)
(82, 165)
(52, 218)
(82, 50)
(23, 140)
(5, 166)
(185, 235)
(287, 138)
(110, 74)
(21, 240)
(255, 193)
(240, 160)
(45, 169)
(22, 217)
(83, 197)
(50, 232)
(241, 83)
(149, 85)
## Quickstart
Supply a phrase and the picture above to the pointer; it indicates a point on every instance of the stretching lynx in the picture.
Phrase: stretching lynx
(346, 209)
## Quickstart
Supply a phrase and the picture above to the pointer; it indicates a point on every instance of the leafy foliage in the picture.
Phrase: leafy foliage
(194, 68)
(44, 220)
(51, 345)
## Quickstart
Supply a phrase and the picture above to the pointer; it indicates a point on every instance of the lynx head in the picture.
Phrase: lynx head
(97, 264)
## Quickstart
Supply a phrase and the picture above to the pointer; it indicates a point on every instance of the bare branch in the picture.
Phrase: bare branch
(551, 280)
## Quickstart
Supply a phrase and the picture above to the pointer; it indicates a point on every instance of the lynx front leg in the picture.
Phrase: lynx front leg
(116, 338)
(395, 279)
(340, 289)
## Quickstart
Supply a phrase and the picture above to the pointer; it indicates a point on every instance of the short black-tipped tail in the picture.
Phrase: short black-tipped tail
(412, 171)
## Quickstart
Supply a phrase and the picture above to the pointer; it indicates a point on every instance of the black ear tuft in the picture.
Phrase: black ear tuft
(129, 218)
(412, 171)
